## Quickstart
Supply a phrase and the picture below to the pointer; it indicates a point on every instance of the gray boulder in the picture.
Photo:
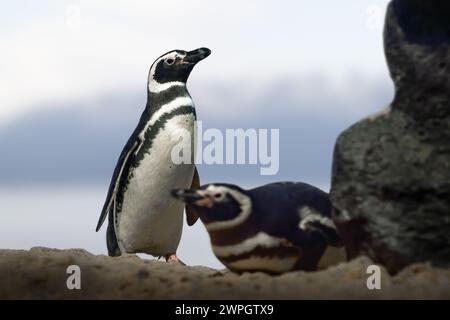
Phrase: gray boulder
(391, 171)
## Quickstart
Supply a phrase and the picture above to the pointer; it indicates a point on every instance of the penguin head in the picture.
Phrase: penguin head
(174, 67)
(216, 202)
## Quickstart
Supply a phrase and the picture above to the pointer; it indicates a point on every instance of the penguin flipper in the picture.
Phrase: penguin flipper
(315, 229)
(328, 231)
(191, 213)
(111, 239)
(124, 159)
(313, 238)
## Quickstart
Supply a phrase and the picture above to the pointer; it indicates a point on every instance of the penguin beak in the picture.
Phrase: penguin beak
(194, 56)
(195, 197)
(187, 195)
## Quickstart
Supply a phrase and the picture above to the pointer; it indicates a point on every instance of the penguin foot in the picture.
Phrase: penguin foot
(173, 258)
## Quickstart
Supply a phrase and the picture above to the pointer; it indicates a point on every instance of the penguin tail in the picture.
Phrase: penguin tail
(111, 239)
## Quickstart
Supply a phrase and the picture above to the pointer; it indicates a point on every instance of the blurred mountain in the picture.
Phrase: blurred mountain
(79, 141)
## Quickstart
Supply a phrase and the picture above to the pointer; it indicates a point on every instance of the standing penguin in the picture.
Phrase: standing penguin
(143, 217)
(274, 228)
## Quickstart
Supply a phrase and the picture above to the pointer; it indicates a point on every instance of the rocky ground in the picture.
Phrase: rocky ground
(41, 274)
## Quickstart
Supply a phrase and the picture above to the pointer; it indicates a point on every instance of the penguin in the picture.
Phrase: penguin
(275, 228)
(142, 216)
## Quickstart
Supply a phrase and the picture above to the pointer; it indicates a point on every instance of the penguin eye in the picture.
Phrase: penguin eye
(218, 196)
(169, 61)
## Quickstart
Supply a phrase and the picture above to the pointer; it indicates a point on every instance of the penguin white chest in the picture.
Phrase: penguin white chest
(151, 220)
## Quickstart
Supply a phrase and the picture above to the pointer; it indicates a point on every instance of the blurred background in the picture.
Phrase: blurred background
(73, 85)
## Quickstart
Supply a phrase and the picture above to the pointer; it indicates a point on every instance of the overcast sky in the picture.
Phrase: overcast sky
(55, 51)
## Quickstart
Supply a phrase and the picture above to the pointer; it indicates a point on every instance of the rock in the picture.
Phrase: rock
(391, 172)
(41, 274)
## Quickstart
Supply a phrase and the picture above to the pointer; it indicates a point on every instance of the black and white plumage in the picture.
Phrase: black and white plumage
(143, 217)
(274, 228)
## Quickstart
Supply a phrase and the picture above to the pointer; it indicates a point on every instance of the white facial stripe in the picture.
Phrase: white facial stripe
(156, 87)
(167, 108)
(273, 264)
(172, 55)
(245, 204)
(308, 215)
(261, 239)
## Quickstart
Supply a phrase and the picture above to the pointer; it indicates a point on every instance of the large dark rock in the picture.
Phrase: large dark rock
(391, 171)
